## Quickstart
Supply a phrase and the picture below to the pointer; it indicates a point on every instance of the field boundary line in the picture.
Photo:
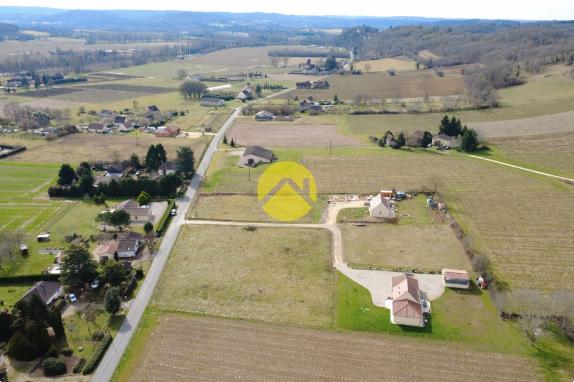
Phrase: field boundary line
(524, 168)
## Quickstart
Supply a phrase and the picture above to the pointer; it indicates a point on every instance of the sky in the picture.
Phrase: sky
(485, 9)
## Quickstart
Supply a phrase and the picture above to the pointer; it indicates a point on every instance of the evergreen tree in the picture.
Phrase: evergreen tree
(152, 159)
(161, 153)
(185, 162)
(427, 139)
(225, 139)
(232, 143)
(143, 198)
(401, 141)
(113, 300)
(78, 267)
(469, 141)
(115, 272)
(66, 175)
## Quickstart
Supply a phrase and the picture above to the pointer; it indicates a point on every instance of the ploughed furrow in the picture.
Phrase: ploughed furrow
(203, 349)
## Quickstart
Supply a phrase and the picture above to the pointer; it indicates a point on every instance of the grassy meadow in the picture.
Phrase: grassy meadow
(266, 274)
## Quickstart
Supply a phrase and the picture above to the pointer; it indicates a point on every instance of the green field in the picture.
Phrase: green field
(459, 316)
(267, 274)
(422, 240)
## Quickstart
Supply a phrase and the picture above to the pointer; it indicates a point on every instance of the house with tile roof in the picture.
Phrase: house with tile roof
(406, 306)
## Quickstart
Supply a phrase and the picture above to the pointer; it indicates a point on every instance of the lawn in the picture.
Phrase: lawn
(267, 274)
(10, 294)
(79, 331)
(245, 208)
(401, 247)
(422, 240)
(458, 316)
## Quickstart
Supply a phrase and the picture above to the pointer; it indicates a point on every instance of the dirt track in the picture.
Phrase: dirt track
(208, 349)
(272, 134)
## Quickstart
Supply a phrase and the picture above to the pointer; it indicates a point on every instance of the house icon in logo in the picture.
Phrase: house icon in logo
(287, 191)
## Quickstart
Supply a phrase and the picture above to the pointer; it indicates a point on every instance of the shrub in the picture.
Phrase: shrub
(79, 366)
(97, 355)
(162, 224)
(54, 366)
(67, 352)
(52, 352)
(97, 335)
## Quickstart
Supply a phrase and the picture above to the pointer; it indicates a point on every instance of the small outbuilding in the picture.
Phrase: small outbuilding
(212, 101)
(43, 237)
(455, 278)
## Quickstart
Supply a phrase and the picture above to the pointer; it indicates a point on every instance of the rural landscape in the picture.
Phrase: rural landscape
(190, 196)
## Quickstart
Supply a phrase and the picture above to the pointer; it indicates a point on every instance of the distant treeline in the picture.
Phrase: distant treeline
(530, 45)
(295, 52)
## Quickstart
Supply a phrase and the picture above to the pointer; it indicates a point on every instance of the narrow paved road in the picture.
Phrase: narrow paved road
(108, 365)
(111, 359)
(524, 168)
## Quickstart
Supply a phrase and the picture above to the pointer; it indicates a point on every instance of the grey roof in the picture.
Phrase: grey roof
(43, 289)
(127, 245)
(167, 166)
(153, 108)
(120, 119)
(258, 152)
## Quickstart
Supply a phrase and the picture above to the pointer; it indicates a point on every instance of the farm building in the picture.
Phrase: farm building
(381, 206)
(138, 214)
(47, 291)
(100, 128)
(212, 101)
(114, 171)
(253, 155)
(456, 278)
(43, 237)
(406, 306)
(167, 132)
(303, 85)
(442, 140)
(152, 108)
(264, 115)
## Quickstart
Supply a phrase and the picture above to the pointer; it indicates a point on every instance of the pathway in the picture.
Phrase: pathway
(524, 168)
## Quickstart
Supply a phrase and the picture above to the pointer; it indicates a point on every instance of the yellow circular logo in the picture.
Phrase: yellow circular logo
(287, 191)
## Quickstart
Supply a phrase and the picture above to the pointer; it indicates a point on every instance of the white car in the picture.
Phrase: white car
(72, 297)
(95, 284)
(173, 212)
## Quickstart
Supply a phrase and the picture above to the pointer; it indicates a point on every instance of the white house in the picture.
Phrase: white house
(47, 291)
(138, 214)
(129, 245)
(99, 128)
(443, 140)
(264, 115)
(381, 206)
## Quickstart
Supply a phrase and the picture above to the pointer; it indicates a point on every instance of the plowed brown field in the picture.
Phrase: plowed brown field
(209, 349)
